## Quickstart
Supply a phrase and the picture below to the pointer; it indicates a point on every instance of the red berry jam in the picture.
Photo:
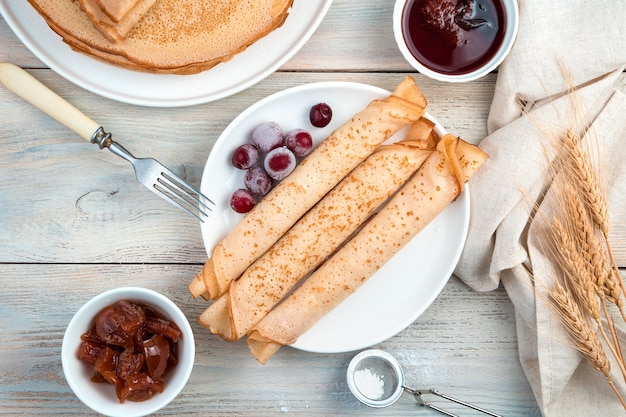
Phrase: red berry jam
(453, 36)
(132, 348)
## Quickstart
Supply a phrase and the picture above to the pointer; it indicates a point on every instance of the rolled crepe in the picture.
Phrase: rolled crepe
(312, 239)
(436, 184)
(315, 176)
(422, 133)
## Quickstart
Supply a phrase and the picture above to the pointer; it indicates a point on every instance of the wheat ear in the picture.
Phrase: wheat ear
(580, 331)
(582, 170)
(593, 249)
(615, 275)
(579, 166)
(579, 278)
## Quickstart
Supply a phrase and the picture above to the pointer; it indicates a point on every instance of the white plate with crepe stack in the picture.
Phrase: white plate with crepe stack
(398, 293)
(166, 90)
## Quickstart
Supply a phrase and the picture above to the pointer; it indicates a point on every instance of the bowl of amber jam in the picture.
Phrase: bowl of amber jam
(455, 40)
(128, 352)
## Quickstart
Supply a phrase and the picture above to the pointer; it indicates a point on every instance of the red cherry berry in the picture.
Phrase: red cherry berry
(320, 115)
(242, 200)
(245, 156)
(257, 181)
(279, 163)
(268, 136)
(299, 141)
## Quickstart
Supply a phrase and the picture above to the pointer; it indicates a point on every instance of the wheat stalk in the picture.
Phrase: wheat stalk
(575, 271)
(578, 168)
(591, 248)
(586, 275)
(584, 199)
(581, 170)
(582, 281)
(581, 332)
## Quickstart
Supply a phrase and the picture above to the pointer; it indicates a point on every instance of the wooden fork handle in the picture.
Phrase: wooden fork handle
(32, 90)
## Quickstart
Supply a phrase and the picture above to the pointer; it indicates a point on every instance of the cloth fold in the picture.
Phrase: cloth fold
(586, 37)
(566, 52)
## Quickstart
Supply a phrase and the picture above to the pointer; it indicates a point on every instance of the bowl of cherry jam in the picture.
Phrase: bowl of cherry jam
(455, 40)
(128, 352)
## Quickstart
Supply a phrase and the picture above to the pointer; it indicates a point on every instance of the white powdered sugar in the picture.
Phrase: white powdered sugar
(369, 384)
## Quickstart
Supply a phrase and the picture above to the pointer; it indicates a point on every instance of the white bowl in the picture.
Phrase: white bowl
(511, 12)
(101, 396)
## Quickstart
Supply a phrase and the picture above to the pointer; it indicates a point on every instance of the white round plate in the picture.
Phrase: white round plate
(400, 291)
(166, 90)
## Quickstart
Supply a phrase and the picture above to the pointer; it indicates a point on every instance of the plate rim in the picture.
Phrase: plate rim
(20, 29)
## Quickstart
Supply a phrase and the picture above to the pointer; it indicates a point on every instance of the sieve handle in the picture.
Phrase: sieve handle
(417, 394)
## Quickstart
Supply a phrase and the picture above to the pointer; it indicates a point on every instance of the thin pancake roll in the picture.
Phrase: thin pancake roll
(436, 184)
(312, 239)
(335, 157)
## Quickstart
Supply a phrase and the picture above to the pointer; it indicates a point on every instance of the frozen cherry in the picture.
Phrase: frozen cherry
(268, 136)
(279, 163)
(299, 141)
(242, 200)
(257, 181)
(320, 115)
(245, 156)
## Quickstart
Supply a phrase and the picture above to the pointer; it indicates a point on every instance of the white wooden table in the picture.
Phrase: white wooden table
(74, 222)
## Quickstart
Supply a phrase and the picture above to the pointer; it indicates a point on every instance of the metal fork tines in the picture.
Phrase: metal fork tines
(159, 179)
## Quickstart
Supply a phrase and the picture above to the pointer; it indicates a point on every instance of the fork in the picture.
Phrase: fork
(149, 172)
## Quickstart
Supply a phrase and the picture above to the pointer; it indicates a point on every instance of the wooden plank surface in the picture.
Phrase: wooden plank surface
(64, 211)
(462, 338)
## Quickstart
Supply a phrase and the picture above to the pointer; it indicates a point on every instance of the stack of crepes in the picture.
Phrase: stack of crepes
(347, 209)
(164, 36)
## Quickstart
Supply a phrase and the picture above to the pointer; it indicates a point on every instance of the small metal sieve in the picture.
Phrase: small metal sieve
(376, 379)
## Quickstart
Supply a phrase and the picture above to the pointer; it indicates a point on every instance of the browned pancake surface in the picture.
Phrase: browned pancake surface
(177, 36)
(116, 9)
(115, 31)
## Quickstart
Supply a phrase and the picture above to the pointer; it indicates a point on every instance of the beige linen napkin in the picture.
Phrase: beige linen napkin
(585, 41)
